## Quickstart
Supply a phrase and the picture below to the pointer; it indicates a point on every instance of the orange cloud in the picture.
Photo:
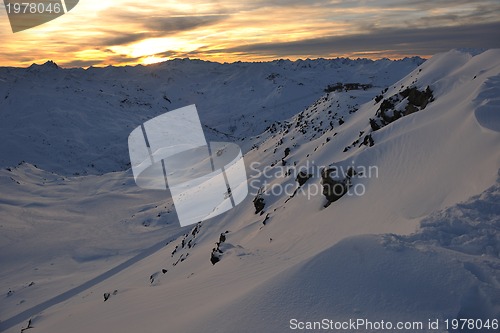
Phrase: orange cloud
(121, 32)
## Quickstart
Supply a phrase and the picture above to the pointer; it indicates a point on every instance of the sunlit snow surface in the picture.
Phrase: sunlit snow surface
(421, 243)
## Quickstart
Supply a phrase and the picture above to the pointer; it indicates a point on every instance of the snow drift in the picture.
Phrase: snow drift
(420, 243)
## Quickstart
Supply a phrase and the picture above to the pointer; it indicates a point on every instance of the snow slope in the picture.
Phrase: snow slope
(420, 243)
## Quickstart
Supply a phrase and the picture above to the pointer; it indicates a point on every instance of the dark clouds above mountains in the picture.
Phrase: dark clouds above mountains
(403, 41)
(123, 32)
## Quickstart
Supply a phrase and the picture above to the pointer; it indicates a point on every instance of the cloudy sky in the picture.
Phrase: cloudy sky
(120, 32)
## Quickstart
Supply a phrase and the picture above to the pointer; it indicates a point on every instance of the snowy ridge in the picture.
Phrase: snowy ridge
(420, 243)
(448, 269)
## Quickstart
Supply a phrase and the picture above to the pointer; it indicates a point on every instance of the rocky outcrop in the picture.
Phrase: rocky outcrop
(334, 189)
(302, 177)
(259, 203)
(404, 103)
(216, 254)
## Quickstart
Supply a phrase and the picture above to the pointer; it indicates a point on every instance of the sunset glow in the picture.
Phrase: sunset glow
(114, 32)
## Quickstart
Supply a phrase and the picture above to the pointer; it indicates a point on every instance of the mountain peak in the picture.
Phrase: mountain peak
(48, 65)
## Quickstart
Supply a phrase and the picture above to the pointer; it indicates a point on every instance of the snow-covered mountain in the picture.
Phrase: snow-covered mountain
(415, 237)
(77, 121)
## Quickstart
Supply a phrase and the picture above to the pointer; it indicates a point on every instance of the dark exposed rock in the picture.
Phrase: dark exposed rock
(214, 258)
(368, 141)
(259, 204)
(374, 125)
(222, 238)
(27, 327)
(265, 220)
(351, 172)
(417, 97)
(410, 108)
(287, 152)
(417, 100)
(333, 189)
(386, 105)
(302, 177)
